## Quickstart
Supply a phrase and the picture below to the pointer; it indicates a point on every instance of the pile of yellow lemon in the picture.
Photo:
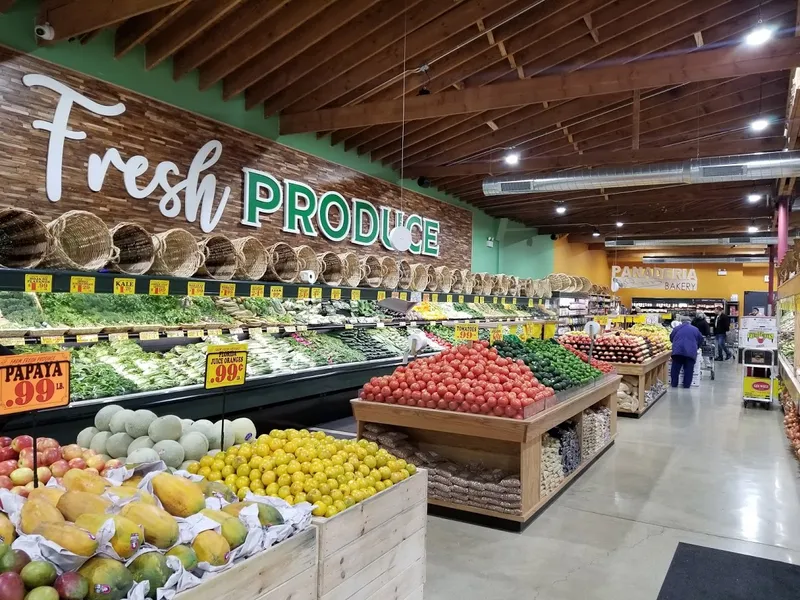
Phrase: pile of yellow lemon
(300, 466)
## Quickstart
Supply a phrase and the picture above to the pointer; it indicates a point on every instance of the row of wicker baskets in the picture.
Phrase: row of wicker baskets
(80, 240)
(561, 282)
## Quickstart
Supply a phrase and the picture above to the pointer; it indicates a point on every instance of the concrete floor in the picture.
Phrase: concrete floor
(697, 468)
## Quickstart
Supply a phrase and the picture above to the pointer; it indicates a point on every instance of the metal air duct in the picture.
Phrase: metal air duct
(720, 241)
(744, 167)
(672, 260)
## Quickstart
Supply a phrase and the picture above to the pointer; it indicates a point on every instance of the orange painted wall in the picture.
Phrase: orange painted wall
(581, 260)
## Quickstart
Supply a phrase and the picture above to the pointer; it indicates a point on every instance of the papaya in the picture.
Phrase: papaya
(233, 530)
(108, 579)
(151, 566)
(74, 504)
(160, 529)
(211, 547)
(267, 515)
(180, 497)
(69, 536)
(216, 489)
(127, 538)
(37, 512)
(186, 555)
(7, 532)
(48, 494)
(76, 480)
(127, 493)
(132, 482)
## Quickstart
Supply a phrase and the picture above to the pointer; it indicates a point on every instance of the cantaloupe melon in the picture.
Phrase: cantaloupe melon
(195, 445)
(186, 426)
(117, 444)
(99, 442)
(86, 435)
(165, 428)
(143, 455)
(203, 426)
(244, 430)
(170, 452)
(140, 442)
(214, 441)
(102, 419)
(138, 425)
(119, 419)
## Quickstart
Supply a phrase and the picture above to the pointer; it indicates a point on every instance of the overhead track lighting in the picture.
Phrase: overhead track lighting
(760, 35)
(423, 91)
(759, 124)
(753, 198)
(596, 232)
(512, 159)
(620, 223)
(561, 209)
(752, 228)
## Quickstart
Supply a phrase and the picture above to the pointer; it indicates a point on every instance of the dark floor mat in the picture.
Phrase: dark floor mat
(703, 573)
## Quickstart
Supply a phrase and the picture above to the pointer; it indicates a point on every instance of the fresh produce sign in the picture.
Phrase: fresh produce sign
(466, 333)
(34, 382)
(226, 365)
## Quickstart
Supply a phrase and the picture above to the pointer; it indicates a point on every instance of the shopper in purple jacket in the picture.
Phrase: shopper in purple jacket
(686, 340)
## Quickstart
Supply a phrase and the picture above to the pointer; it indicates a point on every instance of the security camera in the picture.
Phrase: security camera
(553, 236)
(45, 32)
(424, 182)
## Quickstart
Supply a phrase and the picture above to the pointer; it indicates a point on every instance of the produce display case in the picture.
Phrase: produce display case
(788, 361)
(510, 445)
(651, 375)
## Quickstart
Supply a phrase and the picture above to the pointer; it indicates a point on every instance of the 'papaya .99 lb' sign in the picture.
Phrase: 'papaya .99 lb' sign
(34, 382)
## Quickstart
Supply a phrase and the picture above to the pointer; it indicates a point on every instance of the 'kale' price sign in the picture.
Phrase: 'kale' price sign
(226, 365)
(34, 382)
(466, 333)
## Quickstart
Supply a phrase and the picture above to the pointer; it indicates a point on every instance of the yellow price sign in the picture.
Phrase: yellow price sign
(12, 342)
(426, 297)
(316, 293)
(38, 283)
(403, 295)
(49, 340)
(449, 297)
(196, 288)
(276, 291)
(118, 337)
(336, 294)
(177, 333)
(34, 382)
(549, 330)
(303, 293)
(273, 330)
(217, 332)
(355, 294)
(226, 365)
(494, 299)
(466, 333)
(536, 330)
(86, 338)
(159, 287)
(124, 286)
(256, 291)
(496, 335)
(80, 284)
(530, 302)
(148, 335)
(434, 297)
(514, 301)
(227, 290)
(461, 299)
(381, 295)
(348, 325)
(640, 319)
(195, 333)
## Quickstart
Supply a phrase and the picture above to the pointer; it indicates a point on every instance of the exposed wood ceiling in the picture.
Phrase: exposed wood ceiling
(443, 89)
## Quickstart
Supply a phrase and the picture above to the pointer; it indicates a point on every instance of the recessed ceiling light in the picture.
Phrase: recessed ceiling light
(753, 198)
(758, 36)
(759, 125)
(620, 223)
(596, 233)
(752, 229)
(512, 158)
(561, 209)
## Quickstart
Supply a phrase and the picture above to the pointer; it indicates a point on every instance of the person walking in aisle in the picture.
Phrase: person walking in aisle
(721, 326)
(702, 325)
(686, 341)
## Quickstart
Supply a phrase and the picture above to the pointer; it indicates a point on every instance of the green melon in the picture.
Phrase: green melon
(138, 425)
(102, 420)
(165, 428)
(118, 421)
(170, 452)
(117, 444)
(195, 445)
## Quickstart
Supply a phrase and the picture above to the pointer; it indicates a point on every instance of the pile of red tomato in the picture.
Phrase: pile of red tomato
(466, 378)
(602, 365)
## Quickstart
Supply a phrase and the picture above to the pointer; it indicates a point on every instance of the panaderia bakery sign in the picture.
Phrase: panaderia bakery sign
(654, 278)
(193, 193)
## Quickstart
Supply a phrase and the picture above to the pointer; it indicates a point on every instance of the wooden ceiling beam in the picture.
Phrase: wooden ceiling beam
(229, 30)
(139, 29)
(786, 185)
(188, 26)
(636, 115)
(333, 18)
(284, 22)
(6, 5)
(71, 18)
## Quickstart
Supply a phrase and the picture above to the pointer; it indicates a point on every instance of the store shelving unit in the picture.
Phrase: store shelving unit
(647, 372)
(676, 305)
(509, 444)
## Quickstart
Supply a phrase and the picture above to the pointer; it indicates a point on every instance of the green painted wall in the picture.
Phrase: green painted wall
(526, 255)
(97, 59)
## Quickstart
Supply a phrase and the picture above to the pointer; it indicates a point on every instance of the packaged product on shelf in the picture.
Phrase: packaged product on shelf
(552, 467)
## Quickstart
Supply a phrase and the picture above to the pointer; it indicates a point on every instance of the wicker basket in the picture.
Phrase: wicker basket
(586, 285)
(513, 285)
(404, 274)
(283, 264)
(80, 241)
(390, 272)
(308, 261)
(431, 287)
(469, 281)
(24, 239)
(444, 279)
(351, 270)
(136, 249)
(177, 254)
(251, 258)
(500, 285)
(331, 269)
(457, 286)
(419, 277)
(559, 282)
(526, 288)
(371, 274)
(547, 291)
(219, 257)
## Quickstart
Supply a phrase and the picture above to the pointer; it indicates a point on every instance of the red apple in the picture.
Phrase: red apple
(22, 441)
(114, 463)
(96, 462)
(7, 466)
(44, 474)
(7, 453)
(91, 470)
(77, 463)
(20, 490)
(71, 451)
(21, 476)
(5, 482)
(50, 456)
(59, 468)
(46, 442)
(87, 453)
(5, 441)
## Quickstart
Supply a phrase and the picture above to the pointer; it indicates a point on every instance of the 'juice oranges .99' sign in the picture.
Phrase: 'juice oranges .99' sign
(34, 382)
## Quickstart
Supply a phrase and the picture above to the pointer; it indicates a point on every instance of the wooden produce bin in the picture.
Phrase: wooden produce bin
(287, 571)
(510, 444)
(375, 550)
(648, 372)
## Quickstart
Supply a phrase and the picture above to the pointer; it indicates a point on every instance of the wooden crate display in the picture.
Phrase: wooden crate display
(287, 571)
(648, 373)
(375, 550)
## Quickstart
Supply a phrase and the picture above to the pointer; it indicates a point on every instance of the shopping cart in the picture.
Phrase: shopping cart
(709, 351)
